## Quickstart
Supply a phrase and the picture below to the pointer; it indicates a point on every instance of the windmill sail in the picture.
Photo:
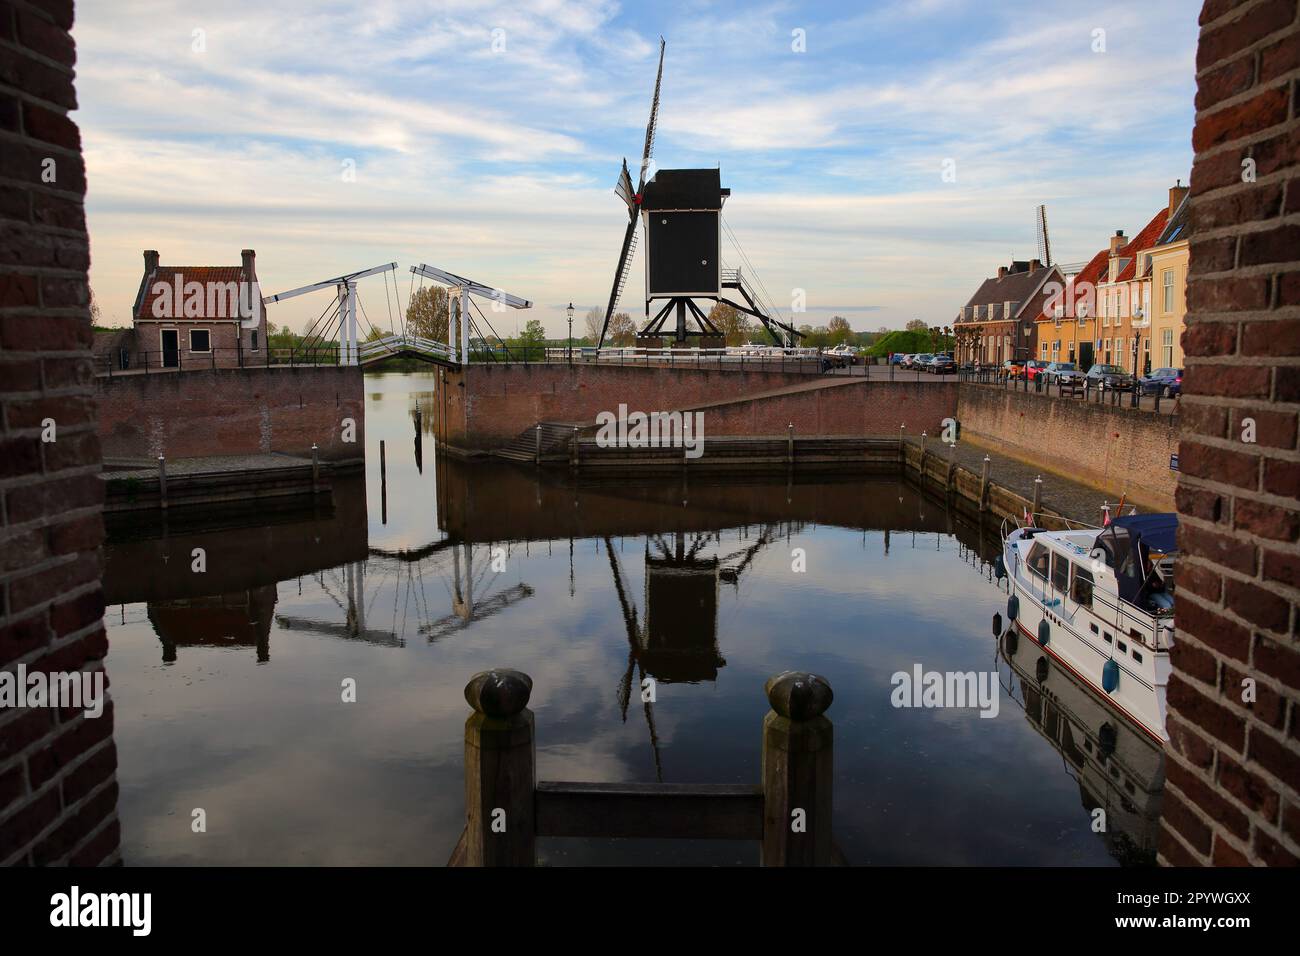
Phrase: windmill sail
(624, 190)
(623, 187)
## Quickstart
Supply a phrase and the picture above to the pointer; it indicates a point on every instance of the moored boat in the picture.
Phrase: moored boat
(1100, 601)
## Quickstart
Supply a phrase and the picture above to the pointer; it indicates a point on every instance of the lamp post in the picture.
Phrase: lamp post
(569, 310)
(1137, 336)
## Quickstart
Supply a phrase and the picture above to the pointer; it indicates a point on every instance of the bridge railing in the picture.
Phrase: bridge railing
(151, 361)
(507, 808)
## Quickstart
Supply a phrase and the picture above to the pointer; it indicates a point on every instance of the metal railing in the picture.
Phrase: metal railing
(116, 362)
(1079, 387)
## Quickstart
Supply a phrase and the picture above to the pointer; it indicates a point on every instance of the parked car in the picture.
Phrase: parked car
(941, 364)
(1166, 382)
(919, 360)
(1062, 373)
(1034, 368)
(1109, 376)
(1013, 368)
(897, 358)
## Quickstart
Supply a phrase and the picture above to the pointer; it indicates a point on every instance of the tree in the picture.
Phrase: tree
(593, 320)
(533, 339)
(917, 325)
(426, 314)
(731, 322)
(839, 329)
(622, 330)
(95, 312)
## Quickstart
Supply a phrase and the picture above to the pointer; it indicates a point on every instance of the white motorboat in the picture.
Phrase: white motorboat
(1100, 602)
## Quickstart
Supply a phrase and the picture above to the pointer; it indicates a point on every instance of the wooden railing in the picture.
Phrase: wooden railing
(507, 808)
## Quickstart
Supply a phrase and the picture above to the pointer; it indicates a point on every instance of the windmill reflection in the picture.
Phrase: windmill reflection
(678, 640)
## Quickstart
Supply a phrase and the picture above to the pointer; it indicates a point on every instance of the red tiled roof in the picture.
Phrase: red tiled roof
(202, 274)
(1142, 241)
(1089, 275)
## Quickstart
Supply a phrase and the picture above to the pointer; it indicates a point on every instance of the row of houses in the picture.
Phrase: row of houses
(1125, 306)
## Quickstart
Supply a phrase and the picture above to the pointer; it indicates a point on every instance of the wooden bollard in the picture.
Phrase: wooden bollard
(789, 443)
(984, 486)
(573, 455)
(162, 482)
(537, 444)
(796, 770)
(500, 771)
(1038, 498)
(315, 468)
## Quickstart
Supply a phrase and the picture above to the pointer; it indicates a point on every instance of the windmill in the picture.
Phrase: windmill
(681, 211)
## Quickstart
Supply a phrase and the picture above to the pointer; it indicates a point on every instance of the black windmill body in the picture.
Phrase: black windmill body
(681, 212)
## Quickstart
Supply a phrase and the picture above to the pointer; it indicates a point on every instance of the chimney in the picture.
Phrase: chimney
(1034, 265)
(250, 269)
(1177, 192)
(150, 261)
(1002, 271)
(1118, 241)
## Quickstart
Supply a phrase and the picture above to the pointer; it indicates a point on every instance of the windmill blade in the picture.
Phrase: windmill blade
(624, 190)
(652, 126)
(620, 274)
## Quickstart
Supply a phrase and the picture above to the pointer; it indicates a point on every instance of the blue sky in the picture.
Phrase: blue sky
(499, 163)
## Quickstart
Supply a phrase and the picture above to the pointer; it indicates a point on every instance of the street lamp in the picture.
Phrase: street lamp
(569, 310)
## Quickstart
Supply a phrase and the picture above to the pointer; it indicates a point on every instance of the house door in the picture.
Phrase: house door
(171, 348)
(1085, 356)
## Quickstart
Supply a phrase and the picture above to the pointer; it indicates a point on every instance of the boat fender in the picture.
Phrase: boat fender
(1040, 670)
(999, 567)
(1044, 632)
(1013, 607)
(1110, 676)
(1011, 642)
(997, 624)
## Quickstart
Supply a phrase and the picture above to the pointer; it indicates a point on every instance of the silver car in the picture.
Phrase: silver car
(1061, 373)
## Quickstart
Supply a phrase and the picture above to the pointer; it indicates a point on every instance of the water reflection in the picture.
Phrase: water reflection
(1118, 768)
(592, 585)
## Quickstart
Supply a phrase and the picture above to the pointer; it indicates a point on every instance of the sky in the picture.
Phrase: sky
(883, 156)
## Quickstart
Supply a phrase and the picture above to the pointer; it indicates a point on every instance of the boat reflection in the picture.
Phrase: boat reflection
(1119, 769)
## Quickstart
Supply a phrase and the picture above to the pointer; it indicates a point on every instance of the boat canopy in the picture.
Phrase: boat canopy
(1157, 532)
(1128, 542)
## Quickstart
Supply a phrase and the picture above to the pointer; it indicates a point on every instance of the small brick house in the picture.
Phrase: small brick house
(192, 317)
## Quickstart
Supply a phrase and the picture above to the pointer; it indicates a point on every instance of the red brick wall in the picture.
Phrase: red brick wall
(58, 788)
(233, 412)
(1233, 794)
(859, 408)
(504, 400)
(1113, 448)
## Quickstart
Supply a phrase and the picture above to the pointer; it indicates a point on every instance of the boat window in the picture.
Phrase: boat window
(1137, 656)
(1106, 637)
(1060, 572)
(1038, 558)
(1121, 645)
(1094, 628)
(1081, 589)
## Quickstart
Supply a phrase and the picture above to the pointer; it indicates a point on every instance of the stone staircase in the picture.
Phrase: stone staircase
(523, 447)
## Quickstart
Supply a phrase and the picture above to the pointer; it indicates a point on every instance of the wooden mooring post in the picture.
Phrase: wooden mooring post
(162, 481)
(984, 485)
(506, 808)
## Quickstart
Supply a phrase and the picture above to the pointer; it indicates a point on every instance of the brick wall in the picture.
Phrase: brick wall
(231, 412)
(1113, 448)
(1233, 794)
(502, 401)
(58, 789)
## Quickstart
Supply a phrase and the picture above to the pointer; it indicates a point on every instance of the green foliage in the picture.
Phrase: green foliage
(918, 340)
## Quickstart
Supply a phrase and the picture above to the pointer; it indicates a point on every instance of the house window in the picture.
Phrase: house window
(1167, 346)
(1167, 280)
(1119, 349)
(1056, 351)
(1044, 352)
(254, 340)
(1106, 351)
(200, 340)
